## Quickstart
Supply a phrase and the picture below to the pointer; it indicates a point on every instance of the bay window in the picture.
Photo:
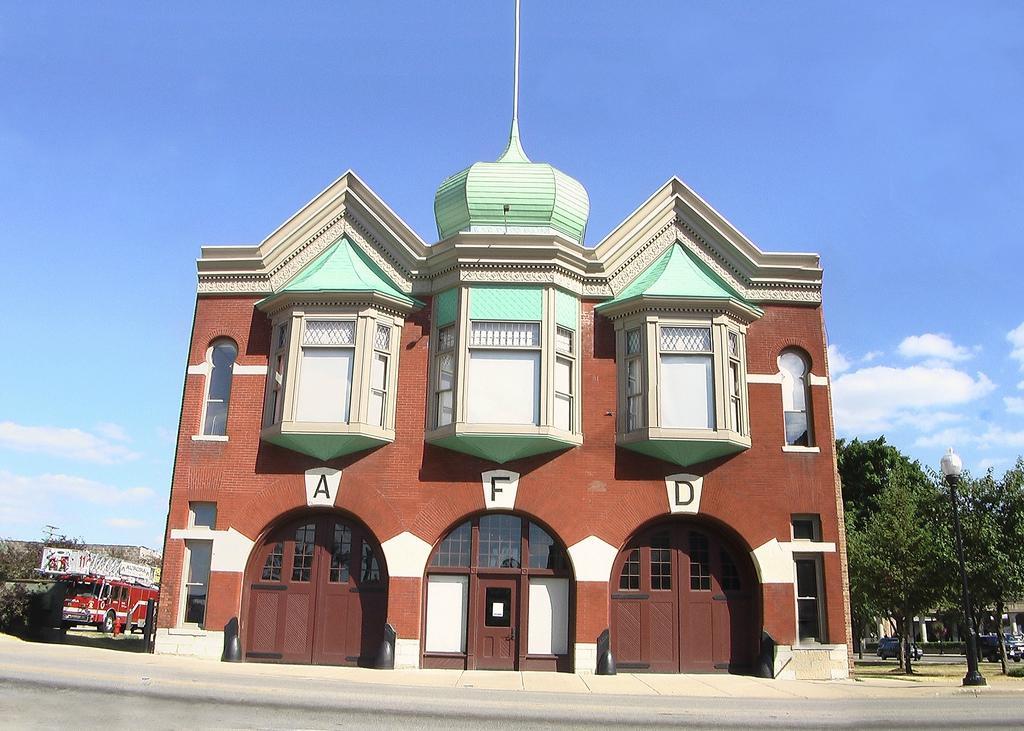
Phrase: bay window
(332, 380)
(682, 385)
(504, 371)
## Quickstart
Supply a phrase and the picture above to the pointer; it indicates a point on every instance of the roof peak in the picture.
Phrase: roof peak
(514, 150)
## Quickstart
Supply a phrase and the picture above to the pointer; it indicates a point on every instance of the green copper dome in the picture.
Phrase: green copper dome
(538, 196)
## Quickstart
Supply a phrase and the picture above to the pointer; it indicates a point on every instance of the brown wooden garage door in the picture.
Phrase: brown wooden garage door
(316, 593)
(683, 601)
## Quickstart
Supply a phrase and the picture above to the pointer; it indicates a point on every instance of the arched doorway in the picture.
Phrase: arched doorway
(498, 596)
(315, 592)
(684, 598)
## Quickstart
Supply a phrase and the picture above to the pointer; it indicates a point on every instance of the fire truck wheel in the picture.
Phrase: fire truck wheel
(108, 622)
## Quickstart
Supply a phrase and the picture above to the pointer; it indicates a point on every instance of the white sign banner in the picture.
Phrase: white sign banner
(65, 561)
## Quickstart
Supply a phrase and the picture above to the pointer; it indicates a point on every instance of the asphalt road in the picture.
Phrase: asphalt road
(103, 689)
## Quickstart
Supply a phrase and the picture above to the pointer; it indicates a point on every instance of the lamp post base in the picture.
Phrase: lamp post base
(974, 678)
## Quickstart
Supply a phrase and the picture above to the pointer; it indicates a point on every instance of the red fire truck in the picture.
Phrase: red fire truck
(105, 602)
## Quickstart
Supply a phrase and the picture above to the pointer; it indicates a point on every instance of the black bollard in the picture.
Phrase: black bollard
(149, 631)
(605, 661)
(386, 655)
(766, 658)
(232, 645)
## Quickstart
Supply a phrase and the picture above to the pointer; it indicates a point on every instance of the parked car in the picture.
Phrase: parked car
(1014, 646)
(890, 647)
(988, 648)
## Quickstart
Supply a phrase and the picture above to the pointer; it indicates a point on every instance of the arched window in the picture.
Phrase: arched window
(222, 356)
(498, 597)
(793, 365)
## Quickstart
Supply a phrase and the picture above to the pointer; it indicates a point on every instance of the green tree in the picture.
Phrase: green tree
(992, 518)
(896, 552)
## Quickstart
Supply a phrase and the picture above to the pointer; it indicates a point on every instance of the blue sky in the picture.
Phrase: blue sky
(884, 136)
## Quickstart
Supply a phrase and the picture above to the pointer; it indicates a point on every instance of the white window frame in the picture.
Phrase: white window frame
(365, 321)
(192, 505)
(649, 361)
(380, 353)
(812, 518)
(185, 584)
(202, 435)
(277, 373)
(301, 361)
(535, 347)
(663, 352)
(568, 357)
(636, 359)
(545, 345)
(441, 349)
(805, 381)
(819, 573)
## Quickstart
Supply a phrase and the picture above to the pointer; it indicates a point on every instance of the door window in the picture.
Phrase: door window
(498, 605)
(302, 558)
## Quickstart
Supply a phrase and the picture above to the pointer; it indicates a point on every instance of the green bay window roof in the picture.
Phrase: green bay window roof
(538, 196)
(679, 274)
(343, 268)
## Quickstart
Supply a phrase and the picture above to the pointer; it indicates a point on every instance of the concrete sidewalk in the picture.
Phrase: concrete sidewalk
(128, 669)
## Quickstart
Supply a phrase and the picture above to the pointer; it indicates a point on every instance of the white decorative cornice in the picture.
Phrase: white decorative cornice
(349, 208)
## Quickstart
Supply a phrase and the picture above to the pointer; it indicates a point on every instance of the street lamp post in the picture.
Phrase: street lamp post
(951, 467)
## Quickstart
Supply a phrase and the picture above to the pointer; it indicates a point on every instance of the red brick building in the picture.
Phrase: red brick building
(505, 442)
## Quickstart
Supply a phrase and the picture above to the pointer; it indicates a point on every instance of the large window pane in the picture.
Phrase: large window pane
(215, 422)
(808, 600)
(446, 613)
(454, 549)
(197, 579)
(504, 387)
(500, 544)
(549, 616)
(325, 384)
(544, 552)
(687, 392)
(563, 393)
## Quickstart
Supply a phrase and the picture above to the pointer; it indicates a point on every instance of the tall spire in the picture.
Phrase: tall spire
(514, 152)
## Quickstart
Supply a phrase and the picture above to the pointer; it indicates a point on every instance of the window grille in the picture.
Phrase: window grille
(505, 334)
(330, 332)
(632, 342)
(446, 338)
(382, 338)
(686, 339)
(564, 340)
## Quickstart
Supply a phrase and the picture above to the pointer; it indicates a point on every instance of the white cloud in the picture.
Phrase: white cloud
(113, 431)
(66, 443)
(933, 346)
(952, 437)
(60, 499)
(984, 465)
(124, 522)
(927, 421)
(1014, 404)
(874, 399)
(1016, 338)
(837, 362)
(997, 436)
(872, 355)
